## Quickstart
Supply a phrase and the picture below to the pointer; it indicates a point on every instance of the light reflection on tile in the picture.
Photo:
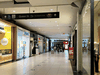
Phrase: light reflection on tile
(44, 64)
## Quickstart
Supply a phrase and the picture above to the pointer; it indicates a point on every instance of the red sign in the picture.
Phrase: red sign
(71, 50)
(66, 42)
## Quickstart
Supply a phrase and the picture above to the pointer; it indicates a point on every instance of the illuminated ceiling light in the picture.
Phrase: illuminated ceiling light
(14, 11)
(55, 21)
(85, 12)
(57, 25)
(51, 9)
(30, 22)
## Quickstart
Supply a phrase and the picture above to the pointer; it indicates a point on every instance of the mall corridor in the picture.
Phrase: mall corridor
(44, 64)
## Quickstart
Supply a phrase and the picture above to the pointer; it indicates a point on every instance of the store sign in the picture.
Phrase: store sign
(4, 41)
(66, 42)
(31, 16)
(71, 53)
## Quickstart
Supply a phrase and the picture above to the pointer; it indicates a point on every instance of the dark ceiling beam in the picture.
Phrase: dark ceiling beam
(83, 4)
(15, 2)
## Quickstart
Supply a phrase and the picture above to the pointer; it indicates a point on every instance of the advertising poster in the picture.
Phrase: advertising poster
(71, 52)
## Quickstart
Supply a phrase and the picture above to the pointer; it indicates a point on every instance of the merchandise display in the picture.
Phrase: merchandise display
(5, 44)
(22, 44)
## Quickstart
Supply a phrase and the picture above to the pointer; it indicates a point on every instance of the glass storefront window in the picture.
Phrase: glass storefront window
(22, 44)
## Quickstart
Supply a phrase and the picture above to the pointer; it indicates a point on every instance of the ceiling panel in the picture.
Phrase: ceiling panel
(5, 0)
(43, 9)
(17, 10)
(1, 10)
(49, 2)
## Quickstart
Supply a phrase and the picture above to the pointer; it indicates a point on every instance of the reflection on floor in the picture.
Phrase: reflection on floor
(98, 67)
(44, 64)
(86, 61)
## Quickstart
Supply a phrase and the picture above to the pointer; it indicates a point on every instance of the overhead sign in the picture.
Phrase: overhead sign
(31, 16)
(66, 42)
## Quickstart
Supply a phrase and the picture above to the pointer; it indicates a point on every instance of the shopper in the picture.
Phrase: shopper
(63, 49)
(58, 49)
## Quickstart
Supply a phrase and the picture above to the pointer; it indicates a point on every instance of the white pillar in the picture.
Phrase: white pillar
(79, 43)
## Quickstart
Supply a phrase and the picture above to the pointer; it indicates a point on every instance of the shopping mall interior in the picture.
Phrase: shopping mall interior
(49, 37)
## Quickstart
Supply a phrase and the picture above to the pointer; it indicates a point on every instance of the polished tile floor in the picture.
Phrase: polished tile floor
(44, 64)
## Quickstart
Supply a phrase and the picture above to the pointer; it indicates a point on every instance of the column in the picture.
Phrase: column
(79, 43)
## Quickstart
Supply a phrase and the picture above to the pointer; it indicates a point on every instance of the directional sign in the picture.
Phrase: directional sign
(31, 16)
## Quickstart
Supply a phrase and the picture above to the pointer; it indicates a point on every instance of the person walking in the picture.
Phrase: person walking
(58, 49)
(63, 49)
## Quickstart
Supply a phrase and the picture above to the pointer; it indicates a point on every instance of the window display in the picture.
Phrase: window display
(22, 44)
(66, 46)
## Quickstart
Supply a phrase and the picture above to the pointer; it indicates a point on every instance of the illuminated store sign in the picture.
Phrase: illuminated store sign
(4, 41)
(65, 42)
(31, 16)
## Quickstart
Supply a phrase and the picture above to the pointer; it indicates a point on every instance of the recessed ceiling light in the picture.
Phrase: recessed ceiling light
(51, 9)
(55, 21)
(57, 25)
(14, 11)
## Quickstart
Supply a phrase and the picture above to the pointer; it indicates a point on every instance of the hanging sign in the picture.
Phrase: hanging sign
(66, 42)
(31, 16)
(71, 52)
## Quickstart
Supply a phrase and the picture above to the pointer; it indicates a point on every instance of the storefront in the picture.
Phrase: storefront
(65, 45)
(40, 43)
(6, 41)
(47, 44)
(31, 44)
(23, 43)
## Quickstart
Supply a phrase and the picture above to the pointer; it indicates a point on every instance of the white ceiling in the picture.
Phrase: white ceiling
(48, 27)
(49, 2)
(5, 0)
(21, 0)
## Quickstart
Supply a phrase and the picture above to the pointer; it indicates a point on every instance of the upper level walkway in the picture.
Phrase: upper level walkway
(44, 64)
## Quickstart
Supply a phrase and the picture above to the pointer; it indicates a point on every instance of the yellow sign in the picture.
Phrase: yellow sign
(6, 35)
